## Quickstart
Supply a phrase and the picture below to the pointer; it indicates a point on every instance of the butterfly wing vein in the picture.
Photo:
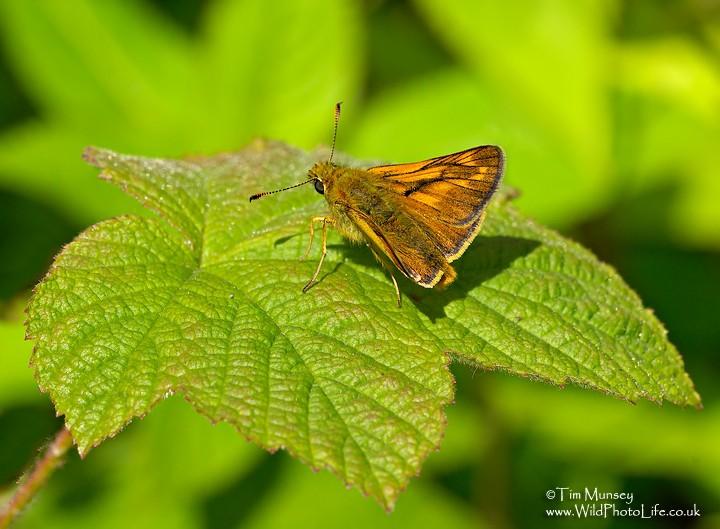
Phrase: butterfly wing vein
(447, 196)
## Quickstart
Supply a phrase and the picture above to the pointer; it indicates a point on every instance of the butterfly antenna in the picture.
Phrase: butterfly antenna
(337, 120)
(265, 193)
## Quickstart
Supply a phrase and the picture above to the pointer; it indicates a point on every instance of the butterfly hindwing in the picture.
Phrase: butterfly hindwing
(423, 268)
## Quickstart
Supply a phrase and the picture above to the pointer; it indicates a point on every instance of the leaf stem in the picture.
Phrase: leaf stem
(37, 477)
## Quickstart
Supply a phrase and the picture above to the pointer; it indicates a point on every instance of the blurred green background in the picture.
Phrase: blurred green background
(609, 112)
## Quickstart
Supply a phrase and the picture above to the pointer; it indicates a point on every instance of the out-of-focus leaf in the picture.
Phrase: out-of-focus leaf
(671, 117)
(93, 64)
(256, 87)
(157, 471)
(467, 438)
(14, 104)
(206, 301)
(31, 235)
(712, 32)
(450, 111)
(117, 73)
(16, 380)
(399, 47)
(642, 439)
(43, 162)
(672, 69)
(550, 60)
(423, 506)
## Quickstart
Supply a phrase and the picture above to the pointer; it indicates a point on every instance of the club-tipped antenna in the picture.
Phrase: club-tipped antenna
(265, 193)
(337, 120)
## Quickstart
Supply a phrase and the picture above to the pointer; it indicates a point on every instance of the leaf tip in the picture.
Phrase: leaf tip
(89, 155)
(695, 400)
(98, 157)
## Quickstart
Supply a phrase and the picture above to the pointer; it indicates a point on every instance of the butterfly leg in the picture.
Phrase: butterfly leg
(397, 291)
(325, 222)
(312, 235)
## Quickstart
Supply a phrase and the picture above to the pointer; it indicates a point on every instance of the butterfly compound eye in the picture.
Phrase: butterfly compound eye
(319, 187)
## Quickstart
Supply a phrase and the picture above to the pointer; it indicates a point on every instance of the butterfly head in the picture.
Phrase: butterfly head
(322, 175)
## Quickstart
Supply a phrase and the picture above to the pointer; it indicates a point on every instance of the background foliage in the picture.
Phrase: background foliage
(608, 110)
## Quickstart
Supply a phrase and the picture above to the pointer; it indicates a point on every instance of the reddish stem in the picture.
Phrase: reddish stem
(38, 476)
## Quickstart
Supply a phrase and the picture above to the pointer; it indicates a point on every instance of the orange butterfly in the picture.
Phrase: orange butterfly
(420, 216)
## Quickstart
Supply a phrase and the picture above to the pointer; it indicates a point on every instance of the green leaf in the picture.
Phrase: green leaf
(205, 300)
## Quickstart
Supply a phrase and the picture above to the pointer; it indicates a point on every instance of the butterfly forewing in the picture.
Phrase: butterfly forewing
(447, 196)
